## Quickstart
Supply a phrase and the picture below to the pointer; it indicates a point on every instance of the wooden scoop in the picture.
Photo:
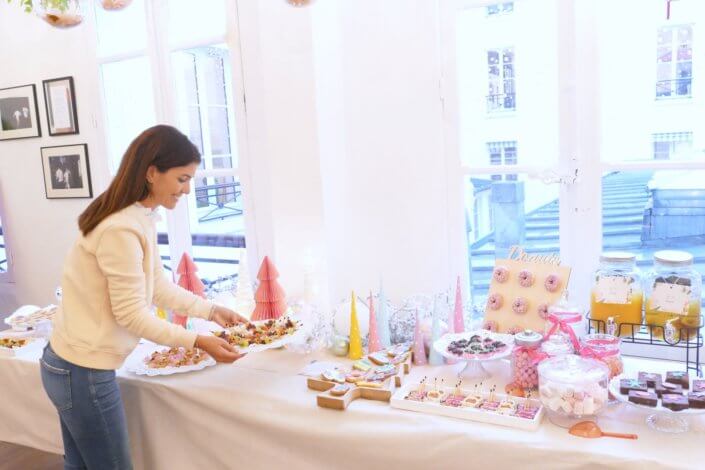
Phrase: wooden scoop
(591, 429)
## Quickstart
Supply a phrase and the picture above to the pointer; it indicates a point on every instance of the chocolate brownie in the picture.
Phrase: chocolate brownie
(627, 385)
(678, 377)
(650, 378)
(674, 402)
(696, 399)
(643, 398)
(699, 385)
(666, 387)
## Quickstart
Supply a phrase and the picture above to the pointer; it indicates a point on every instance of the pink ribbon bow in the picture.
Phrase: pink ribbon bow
(561, 322)
(596, 349)
(535, 354)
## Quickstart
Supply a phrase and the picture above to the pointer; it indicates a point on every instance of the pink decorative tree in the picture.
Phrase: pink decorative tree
(270, 296)
(459, 322)
(373, 343)
(419, 349)
(188, 280)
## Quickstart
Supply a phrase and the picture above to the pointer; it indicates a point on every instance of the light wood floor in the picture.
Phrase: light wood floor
(14, 457)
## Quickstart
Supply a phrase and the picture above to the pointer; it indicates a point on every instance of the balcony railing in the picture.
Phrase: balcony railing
(219, 199)
(678, 88)
(501, 102)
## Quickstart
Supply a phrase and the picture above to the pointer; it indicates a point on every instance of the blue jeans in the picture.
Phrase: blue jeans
(93, 424)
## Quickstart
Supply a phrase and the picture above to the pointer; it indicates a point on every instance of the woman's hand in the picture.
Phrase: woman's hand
(217, 348)
(226, 317)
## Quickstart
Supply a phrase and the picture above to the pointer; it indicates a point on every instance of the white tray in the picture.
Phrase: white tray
(299, 334)
(441, 345)
(614, 389)
(26, 318)
(136, 365)
(33, 345)
(471, 414)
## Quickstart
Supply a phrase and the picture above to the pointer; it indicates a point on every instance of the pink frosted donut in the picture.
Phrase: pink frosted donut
(495, 301)
(489, 325)
(552, 282)
(543, 311)
(500, 274)
(520, 305)
(526, 278)
(514, 330)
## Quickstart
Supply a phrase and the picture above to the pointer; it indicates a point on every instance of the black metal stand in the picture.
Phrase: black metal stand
(690, 338)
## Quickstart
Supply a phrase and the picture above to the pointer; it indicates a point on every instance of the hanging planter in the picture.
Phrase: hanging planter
(113, 5)
(58, 13)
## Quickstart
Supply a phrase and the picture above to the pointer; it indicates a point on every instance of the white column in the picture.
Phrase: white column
(579, 142)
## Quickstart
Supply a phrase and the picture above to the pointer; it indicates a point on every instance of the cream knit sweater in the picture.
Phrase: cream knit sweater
(111, 279)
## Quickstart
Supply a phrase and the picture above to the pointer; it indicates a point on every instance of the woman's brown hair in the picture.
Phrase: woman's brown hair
(162, 146)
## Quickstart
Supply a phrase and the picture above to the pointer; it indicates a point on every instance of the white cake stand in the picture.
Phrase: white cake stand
(659, 418)
(473, 368)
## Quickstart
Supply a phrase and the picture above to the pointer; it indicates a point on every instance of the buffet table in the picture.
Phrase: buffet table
(258, 413)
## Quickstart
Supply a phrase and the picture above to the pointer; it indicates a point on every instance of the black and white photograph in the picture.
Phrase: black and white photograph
(60, 100)
(66, 172)
(19, 113)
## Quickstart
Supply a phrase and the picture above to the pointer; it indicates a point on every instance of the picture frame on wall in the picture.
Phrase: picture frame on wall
(66, 172)
(60, 101)
(19, 113)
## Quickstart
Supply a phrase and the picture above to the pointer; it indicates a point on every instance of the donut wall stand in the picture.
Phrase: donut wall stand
(326, 399)
(521, 292)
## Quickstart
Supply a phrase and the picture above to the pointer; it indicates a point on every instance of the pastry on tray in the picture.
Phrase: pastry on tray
(260, 333)
(14, 343)
(175, 357)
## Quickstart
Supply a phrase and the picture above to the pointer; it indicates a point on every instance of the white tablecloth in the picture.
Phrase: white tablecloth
(258, 413)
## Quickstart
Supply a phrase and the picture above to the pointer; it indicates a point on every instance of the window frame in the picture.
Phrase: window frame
(580, 166)
(158, 52)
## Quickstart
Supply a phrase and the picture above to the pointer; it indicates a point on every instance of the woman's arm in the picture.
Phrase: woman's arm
(120, 256)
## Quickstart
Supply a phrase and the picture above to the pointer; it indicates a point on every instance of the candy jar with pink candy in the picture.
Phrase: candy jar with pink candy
(525, 360)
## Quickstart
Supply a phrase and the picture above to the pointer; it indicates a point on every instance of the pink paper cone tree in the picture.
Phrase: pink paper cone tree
(189, 280)
(459, 321)
(270, 297)
(373, 343)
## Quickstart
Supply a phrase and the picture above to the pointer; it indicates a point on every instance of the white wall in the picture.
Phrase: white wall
(42, 230)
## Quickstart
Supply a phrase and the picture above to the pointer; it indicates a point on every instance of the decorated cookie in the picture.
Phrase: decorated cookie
(495, 301)
(507, 407)
(386, 371)
(520, 305)
(398, 349)
(400, 358)
(526, 278)
(363, 364)
(415, 395)
(552, 282)
(333, 375)
(378, 358)
(355, 376)
(500, 274)
(339, 390)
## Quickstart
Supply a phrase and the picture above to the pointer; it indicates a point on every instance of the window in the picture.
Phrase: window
(674, 62)
(672, 144)
(503, 153)
(500, 64)
(651, 184)
(192, 87)
(5, 256)
(500, 8)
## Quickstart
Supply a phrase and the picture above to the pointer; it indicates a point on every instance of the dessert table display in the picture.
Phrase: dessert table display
(259, 411)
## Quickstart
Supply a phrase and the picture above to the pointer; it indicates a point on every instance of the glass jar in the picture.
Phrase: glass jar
(565, 319)
(572, 387)
(605, 348)
(617, 293)
(672, 291)
(525, 358)
(557, 345)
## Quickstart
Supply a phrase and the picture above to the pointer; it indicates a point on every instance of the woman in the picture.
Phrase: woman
(112, 276)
